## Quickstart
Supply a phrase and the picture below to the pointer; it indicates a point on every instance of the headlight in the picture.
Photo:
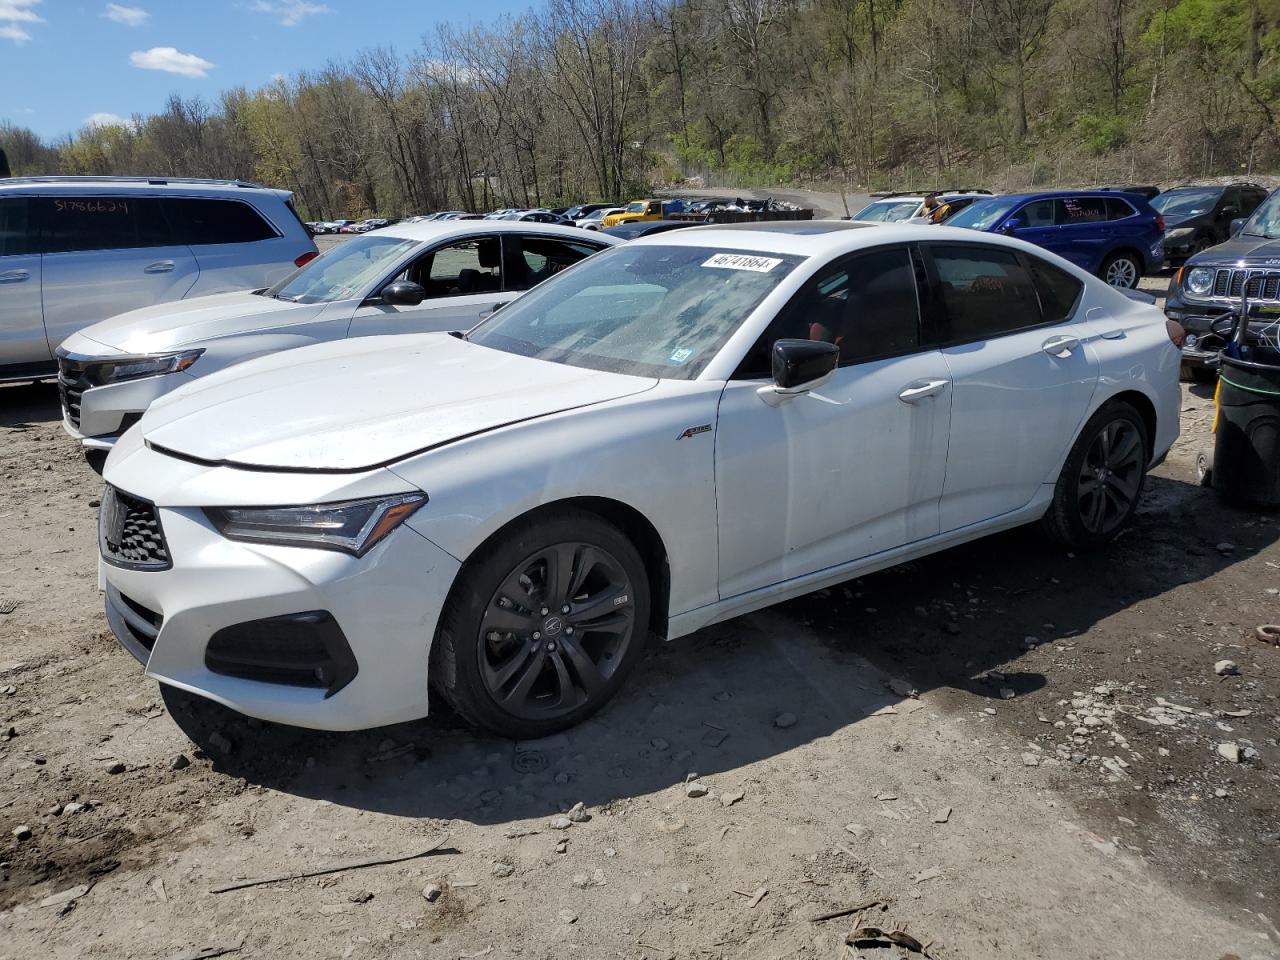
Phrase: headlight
(1199, 281)
(134, 368)
(352, 526)
(1179, 233)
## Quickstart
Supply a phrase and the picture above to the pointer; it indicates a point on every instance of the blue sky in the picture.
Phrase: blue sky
(63, 62)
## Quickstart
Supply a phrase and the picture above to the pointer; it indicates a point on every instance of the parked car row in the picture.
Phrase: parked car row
(493, 457)
(1118, 233)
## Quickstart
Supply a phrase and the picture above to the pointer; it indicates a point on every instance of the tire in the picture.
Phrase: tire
(1122, 270)
(504, 664)
(1115, 440)
(1204, 467)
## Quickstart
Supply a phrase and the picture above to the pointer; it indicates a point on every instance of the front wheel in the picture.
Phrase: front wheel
(1121, 270)
(543, 626)
(1098, 488)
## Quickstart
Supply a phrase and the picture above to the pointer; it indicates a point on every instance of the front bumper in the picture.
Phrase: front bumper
(385, 605)
(105, 412)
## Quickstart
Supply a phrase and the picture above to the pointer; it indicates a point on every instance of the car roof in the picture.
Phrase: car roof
(808, 238)
(431, 230)
(139, 185)
(1062, 194)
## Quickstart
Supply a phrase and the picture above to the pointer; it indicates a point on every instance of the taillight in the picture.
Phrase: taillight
(1160, 223)
(1177, 336)
(306, 258)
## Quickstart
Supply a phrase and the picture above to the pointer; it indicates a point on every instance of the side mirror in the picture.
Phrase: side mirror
(1011, 226)
(1237, 225)
(801, 365)
(403, 293)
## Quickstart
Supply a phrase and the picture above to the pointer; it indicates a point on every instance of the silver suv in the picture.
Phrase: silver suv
(76, 250)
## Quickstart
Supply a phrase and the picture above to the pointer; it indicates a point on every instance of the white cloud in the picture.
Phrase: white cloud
(129, 16)
(170, 60)
(290, 12)
(13, 13)
(105, 119)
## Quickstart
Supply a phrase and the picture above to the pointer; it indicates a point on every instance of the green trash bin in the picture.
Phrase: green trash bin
(1246, 452)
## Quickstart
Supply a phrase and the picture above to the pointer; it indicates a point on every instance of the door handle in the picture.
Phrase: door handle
(160, 266)
(15, 276)
(1060, 346)
(1113, 335)
(918, 390)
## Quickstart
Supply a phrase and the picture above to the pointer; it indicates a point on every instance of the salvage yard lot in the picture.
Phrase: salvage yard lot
(1014, 748)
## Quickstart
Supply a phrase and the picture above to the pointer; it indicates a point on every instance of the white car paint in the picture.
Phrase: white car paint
(752, 498)
(233, 327)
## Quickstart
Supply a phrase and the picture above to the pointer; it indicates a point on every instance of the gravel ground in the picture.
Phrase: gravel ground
(1019, 752)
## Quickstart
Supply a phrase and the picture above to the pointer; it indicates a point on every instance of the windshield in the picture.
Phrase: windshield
(646, 311)
(343, 272)
(982, 215)
(1265, 221)
(1182, 204)
(637, 207)
(884, 211)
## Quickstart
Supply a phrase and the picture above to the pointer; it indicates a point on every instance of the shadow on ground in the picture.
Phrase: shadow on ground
(708, 703)
(24, 404)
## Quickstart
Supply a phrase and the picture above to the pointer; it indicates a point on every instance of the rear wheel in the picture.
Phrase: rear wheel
(1101, 481)
(544, 625)
(1121, 270)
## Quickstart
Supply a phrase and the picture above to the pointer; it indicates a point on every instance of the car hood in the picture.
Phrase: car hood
(1257, 251)
(358, 404)
(168, 325)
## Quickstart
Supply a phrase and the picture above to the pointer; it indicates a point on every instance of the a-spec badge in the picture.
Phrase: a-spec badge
(694, 431)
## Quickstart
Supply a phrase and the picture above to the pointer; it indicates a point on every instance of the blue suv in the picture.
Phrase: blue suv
(1116, 236)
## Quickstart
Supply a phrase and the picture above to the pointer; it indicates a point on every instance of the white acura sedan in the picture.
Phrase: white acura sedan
(677, 431)
(407, 278)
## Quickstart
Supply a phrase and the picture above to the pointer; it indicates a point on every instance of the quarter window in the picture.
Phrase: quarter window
(1058, 289)
(199, 222)
(102, 223)
(1118, 209)
(985, 292)
(15, 235)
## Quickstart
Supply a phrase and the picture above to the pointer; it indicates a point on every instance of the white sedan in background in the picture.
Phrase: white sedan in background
(407, 278)
(677, 431)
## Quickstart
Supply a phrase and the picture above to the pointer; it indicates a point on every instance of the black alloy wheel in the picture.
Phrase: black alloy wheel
(543, 624)
(1101, 481)
(555, 631)
(1110, 477)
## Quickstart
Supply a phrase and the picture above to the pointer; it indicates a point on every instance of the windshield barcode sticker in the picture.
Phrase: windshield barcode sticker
(742, 261)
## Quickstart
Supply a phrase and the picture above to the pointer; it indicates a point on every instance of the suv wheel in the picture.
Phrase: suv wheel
(1101, 481)
(1121, 270)
(543, 626)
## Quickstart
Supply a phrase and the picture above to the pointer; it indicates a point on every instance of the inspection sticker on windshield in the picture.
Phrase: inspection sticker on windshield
(742, 261)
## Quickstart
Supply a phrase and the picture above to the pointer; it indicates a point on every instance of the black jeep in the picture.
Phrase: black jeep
(1210, 284)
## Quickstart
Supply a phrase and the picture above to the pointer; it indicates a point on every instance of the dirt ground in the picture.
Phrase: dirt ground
(1056, 787)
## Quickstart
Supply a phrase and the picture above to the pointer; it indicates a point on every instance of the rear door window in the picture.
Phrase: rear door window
(101, 223)
(15, 230)
(986, 292)
(1085, 209)
(540, 258)
(198, 222)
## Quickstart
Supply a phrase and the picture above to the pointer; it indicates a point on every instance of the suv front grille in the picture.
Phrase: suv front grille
(1231, 282)
(73, 381)
(129, 532)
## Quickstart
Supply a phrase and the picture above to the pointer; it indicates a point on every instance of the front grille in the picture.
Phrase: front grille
(1231, 282)
(73, 381)
(129, 532)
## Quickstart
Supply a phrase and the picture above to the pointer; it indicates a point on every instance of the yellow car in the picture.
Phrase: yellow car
(636, 211)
